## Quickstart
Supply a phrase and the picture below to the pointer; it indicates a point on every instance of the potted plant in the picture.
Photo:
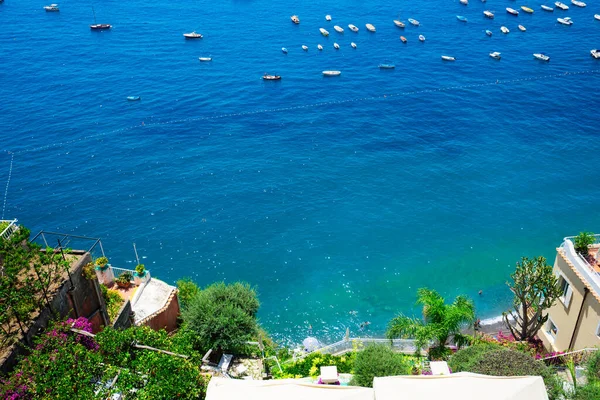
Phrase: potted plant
(102, 262)
(124, 280)
(140, 270)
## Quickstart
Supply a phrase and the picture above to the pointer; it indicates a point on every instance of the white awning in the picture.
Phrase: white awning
(283, 389)
(460, 386)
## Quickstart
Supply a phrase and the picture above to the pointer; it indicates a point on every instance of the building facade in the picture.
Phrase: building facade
(574, 319)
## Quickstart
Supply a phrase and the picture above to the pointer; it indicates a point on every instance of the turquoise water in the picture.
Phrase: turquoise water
(336, 197)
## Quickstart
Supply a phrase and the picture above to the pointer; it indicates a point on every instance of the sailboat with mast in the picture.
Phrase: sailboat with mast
(96, 26)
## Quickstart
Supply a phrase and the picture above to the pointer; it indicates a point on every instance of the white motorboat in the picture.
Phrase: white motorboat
(304, 47)
(565, 21)
(323, 32)
(578, 3)
(597, 16)
(595, 53)
(547, 8)
(465, 2)
(284, 50)
(488, 14)
(353, 45)
(295, 19)
(204, 59)
(332, 73)
(528, 10)
(541, 56)
(496, 55)
(448, 58)
(421, 38)
(370, 27)
(336, 46)
(338, 29)
(512, 11)
(562, 6)
(399, 24)
(522, 28)
(328, 17)
(414, 22)
(319, 47)
(52, 8)
(192, 35)
(504, 29)
(352, 28)
(488, 32)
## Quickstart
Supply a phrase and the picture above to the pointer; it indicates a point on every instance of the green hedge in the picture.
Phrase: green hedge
(311, 365)
(378, 360)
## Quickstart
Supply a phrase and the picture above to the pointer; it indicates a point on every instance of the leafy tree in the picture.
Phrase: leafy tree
(187, 291)
(378, 360)
(535, 289)
(440, 321)
(582, 242)
(223, 316)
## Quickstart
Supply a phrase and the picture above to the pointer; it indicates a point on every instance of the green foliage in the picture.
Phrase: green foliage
(187, 291)
(591, 391)
(535, 288)
(583, 241)
(140, 269)
(3, 226)
(440, 321)
(312, 363)
(223, 316)
(124, 278)
(101, 261)
(88, 271)
(378, 360)
(464, 359)
(593, 367)
(113, 301)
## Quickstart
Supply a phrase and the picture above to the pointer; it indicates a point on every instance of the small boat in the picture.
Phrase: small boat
(403, 39)
(370, 28)
(547, 8)
(495, 55)
(336, 46)
(352, 28)
(353, 45)
(295, 19)
(399, 24)
(328, 17)
(595, 53)
(319, 47)
(504, 29)
(527, 9)
(192, 35)
(304, 47)
(565, 21)
(465, 2)
(323, 32)
(597, 16)
(562, 6)
(338, 29)
(284, 50)
(414, 22)
(100, 27)
(541, 56)
(205, 59)
(448, 58)
(51, 8)
(387, 66)
(268, 77)
(578, 3)
(488, 14)
(461, 18)
(421, 38)
(522, 28)
(133, 98)
(332, 73)
(512, 11)
(488, 32)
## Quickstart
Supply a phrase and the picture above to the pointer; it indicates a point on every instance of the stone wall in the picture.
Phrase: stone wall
(166, 318)
(124, 319)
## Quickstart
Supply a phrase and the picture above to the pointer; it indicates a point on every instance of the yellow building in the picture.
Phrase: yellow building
(574, 319)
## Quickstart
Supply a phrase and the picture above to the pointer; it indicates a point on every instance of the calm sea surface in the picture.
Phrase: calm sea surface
(336, 197)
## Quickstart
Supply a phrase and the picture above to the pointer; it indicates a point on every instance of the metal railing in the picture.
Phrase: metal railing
(407, 346)
(66, 240)
(10, 229)
(120, 271)
(588, 271)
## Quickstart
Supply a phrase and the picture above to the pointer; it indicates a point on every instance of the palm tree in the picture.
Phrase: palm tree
(440, 321)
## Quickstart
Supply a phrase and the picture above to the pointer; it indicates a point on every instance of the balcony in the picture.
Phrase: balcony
(591, 273)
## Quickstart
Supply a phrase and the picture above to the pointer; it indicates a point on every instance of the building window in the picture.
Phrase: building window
(551, 329)
(566, 291)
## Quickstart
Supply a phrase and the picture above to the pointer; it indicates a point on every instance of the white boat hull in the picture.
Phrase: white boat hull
(332, 73)
(370, 28)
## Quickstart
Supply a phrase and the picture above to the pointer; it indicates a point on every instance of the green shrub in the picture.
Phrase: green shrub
(187, 291)
(582, 241)
(101, 261)
(223, 316)
(591, 391)
(312, 363)
(378, 360)
(113, 301)
(593, 367)
(140, 269)
(464, 359)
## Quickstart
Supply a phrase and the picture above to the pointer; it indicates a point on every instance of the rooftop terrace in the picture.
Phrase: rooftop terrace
(589, 271)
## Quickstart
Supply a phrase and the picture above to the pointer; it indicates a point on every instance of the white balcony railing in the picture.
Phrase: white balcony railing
(588, 271)
(10, 229)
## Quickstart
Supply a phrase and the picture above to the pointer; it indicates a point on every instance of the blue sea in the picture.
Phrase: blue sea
(336, 197)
